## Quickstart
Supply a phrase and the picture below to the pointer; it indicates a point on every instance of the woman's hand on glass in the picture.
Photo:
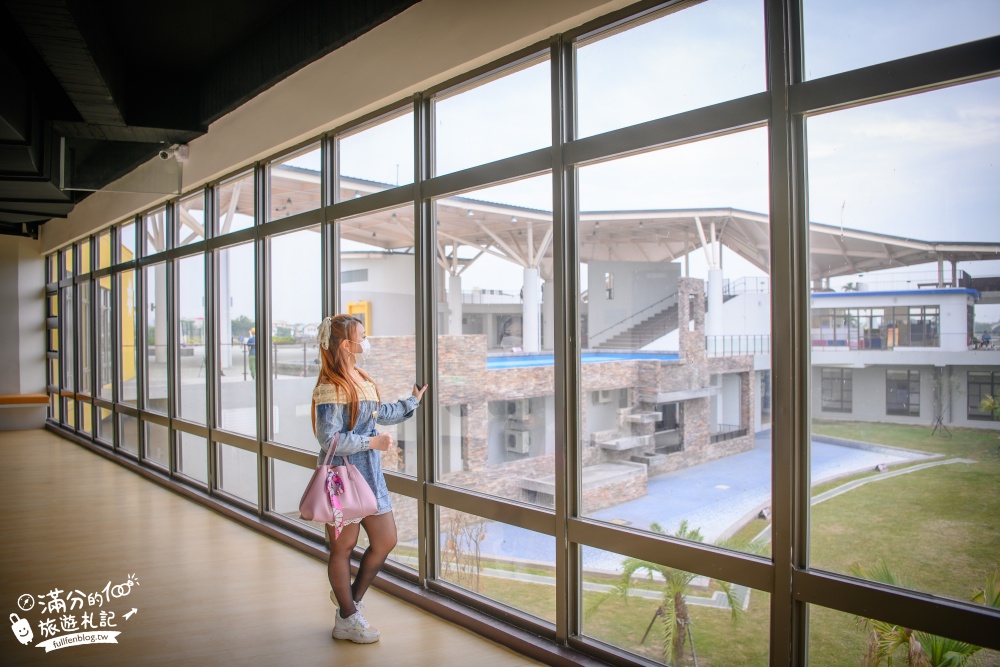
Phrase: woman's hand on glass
(418, 392)
(381, 442)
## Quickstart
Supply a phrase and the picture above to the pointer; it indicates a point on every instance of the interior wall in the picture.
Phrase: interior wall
(450, 37)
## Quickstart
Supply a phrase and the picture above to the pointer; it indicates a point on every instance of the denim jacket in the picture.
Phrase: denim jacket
(332, 417)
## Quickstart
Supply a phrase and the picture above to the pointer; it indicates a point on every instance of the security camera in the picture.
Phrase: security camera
(179, 151)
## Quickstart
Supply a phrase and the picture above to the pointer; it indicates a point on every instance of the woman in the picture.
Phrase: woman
(346, 401)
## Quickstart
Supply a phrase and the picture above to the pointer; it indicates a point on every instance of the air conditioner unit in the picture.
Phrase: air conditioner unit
(518, 409)
(605, 395)
(516, 441)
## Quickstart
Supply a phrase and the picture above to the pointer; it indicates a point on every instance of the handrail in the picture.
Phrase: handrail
(633, 315)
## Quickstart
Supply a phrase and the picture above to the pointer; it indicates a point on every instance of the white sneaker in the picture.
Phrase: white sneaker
(355, 628)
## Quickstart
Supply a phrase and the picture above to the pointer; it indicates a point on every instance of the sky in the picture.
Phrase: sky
(923, 166)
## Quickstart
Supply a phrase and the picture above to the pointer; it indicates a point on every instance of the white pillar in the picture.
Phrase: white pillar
(530, 339)
(713, 318)
(548, 316)
(454, 304)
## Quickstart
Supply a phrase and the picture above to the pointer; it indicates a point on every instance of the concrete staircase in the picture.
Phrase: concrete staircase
(644, 332)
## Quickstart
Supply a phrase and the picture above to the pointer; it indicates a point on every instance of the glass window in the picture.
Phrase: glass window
(511, 565)
(705, 53)
(296, 312)
(671, 616)
(376, 157)
(496, 382)
(836, 638)
(68, 339)
(69, 413)
(103, 249)
(190, 223)
(235, 204)
(105, 431)
(126, 242)
(52, 272)
(127, 353)
(192, 457)
(238, 336)
(837, 390)
(191, 388)
(128, 433)
(83, 248)
(67, 262)
(154, 230)
(841, 37)
(155, 343)
(85, 418)
(294, 183)
(507, 114)
(383, 243)
(902, 393)
(983, 386)
(237, 472)
(84, 333)
(670, 378)
(882, 184)
(105, 345)
(157, 444)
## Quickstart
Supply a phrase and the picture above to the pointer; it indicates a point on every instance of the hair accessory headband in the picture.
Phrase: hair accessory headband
(324, 332)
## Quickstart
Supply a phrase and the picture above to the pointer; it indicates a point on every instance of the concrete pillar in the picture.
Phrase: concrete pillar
(713, 318)
(454, 305)
(160, 311)
(548, 316)
(530, 337)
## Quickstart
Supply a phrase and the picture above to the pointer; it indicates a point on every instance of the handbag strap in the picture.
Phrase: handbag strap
(331, 448)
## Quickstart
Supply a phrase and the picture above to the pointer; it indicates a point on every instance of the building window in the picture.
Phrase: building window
(982, 385)
(902, 393)
(837, 390)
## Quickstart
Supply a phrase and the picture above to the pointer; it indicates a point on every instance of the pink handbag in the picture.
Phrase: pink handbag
(336, 494)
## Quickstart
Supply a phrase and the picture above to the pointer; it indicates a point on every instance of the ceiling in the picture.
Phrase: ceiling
(91, 89)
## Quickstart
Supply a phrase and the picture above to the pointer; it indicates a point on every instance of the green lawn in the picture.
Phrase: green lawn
(939, 527)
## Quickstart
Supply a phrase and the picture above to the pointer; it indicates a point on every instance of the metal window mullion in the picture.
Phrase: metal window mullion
(173, 343)
(790, 313)
(139, 349)
(212, 387)
(428, 541)
(262, 322)
(566, 351)
(115, 334)
(330, 252)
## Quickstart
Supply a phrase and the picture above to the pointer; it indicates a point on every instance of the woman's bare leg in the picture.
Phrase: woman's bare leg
(381, 531)
(339, 568)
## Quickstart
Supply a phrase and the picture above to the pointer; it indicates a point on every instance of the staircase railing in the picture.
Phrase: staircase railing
(631, 319)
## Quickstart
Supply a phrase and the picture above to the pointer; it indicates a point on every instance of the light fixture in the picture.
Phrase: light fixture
(357, 193)
(513, 219)
(469, 213)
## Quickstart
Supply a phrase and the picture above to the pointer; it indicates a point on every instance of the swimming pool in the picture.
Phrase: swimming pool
(533, 360)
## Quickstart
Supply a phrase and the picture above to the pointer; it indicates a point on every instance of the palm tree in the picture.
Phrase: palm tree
(674, 627)
(989, 594)
(922, 649)
(991, 404)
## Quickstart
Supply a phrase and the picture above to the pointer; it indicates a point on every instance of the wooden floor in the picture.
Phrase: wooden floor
(211, 592)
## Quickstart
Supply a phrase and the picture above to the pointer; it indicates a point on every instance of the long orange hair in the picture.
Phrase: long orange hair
(336, 363)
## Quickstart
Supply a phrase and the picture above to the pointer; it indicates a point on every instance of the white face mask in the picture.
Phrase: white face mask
(366, 349)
